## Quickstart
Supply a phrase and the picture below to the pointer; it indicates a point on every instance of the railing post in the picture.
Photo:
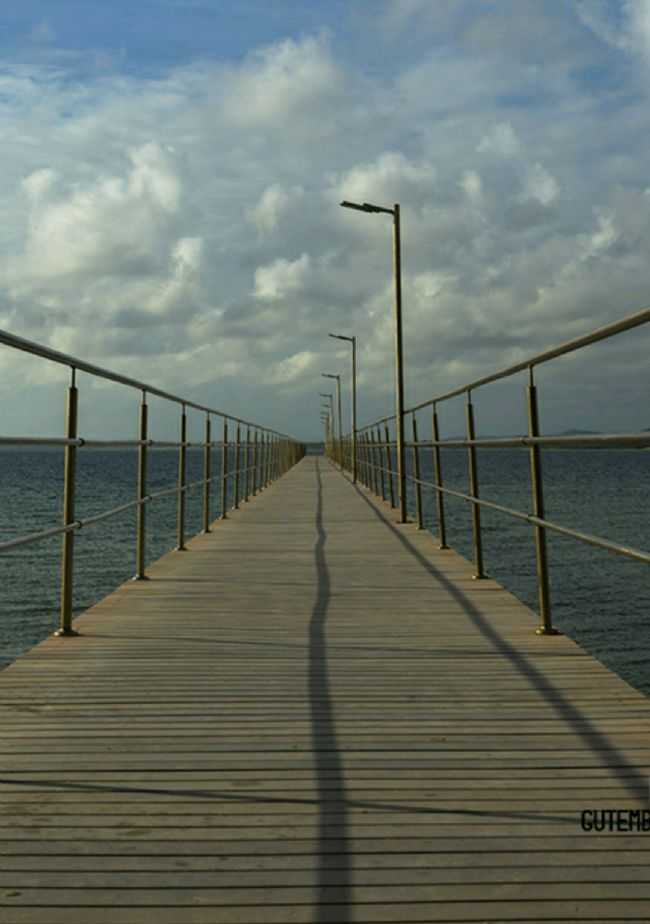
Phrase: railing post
(363, 445)
(255, 465)
(381, 466)
(237, 464)
(440, 497)
(141, 518)
(389, 466)
(373, 462)
(182, 469)
(248, 463)
(473, 490)
(262, 461)
(69, 479)
(416, 474)
(224, 470)
(534, 455)
(207, 467)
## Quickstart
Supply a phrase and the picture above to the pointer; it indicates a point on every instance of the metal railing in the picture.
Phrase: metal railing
(261, 457)
(378, 477)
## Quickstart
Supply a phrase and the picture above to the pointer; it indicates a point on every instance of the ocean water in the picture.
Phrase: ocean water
(599, 599)
(32, 500)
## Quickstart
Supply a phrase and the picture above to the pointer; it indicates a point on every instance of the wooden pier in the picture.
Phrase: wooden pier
(315, 715)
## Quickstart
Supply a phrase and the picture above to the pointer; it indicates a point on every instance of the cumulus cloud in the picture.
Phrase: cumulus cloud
(540, 185)
(273, 206)
(281, 278)
(286, 80)
(102, 227)
(501, 140)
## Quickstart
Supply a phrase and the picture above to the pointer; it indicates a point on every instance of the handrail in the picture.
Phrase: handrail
(278, 453)
(601, 333)
(73, 362)
(371, 446)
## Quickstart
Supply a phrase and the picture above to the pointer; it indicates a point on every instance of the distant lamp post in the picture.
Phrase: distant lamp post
(353, 341)
(399, 372)
(330, 375)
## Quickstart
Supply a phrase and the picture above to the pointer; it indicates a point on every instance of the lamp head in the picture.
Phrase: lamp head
(365, 207)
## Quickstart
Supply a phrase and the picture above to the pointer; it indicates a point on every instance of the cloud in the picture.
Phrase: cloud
(187, 229)
(283, 81)
(540, 185)
(281, 278)
(273, 206)
(501, 140)
(105, 226)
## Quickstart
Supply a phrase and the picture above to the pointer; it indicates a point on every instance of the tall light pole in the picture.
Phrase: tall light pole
(353, 341)
(330, 375)
(399, 372)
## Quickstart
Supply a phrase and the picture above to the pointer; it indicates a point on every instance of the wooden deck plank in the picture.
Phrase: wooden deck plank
(315, 715)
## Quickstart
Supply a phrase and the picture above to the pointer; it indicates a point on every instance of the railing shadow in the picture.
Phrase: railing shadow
(628, 775)
(327, 758)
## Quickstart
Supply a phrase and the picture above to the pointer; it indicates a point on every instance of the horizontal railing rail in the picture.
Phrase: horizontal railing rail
(259, 455)
(376, 451)
(74, 362)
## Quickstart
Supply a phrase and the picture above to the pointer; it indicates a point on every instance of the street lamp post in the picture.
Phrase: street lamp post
(353, 341)
(399, 372)
(329, 375)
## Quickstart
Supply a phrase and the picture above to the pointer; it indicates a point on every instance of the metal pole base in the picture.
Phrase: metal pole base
(181, 548)
(140, 577)
(542, 630)
(480, 577)
(443, 548)
(66, 633)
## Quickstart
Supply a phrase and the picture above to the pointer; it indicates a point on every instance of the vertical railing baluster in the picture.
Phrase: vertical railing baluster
(69, 483)
(363, 442)
(262, 461)
(182, 479)
(141, 517)
(254, 471)
(237, 465)
(534, 455)
(248, 464)
(416, 474)
(207, 479)
(440, 497)
(224, 471)
(374, 486)
(389, 466)
(473, 490)
(382, 478)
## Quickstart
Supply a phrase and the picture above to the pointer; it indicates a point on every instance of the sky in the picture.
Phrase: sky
(170, 187)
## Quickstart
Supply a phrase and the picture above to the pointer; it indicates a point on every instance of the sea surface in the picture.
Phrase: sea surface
(599, 599)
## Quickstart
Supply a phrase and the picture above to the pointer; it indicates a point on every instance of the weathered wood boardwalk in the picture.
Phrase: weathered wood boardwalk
(313, 715)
